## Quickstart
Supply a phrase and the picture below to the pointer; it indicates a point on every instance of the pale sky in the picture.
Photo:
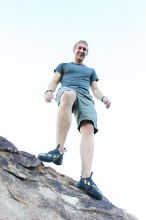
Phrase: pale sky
(37, 35)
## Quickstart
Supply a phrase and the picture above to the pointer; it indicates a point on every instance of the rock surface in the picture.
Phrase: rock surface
(31, 191)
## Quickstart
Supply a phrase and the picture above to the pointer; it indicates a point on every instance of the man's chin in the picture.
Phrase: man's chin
(81, 58)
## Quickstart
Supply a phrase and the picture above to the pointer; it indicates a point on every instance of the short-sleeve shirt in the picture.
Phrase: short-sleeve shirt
(76, 76)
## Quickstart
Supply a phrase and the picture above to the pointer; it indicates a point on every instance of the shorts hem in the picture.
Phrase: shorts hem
(91, 121)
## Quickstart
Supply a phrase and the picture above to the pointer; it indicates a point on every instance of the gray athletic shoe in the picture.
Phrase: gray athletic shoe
(52, 156)
(90, 187)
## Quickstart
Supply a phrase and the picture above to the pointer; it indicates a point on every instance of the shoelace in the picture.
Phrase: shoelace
(90, 179)
(59, 146)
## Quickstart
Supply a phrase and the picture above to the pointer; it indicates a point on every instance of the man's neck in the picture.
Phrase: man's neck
(78, 61)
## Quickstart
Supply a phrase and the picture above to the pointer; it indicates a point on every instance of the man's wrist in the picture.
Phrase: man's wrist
(102, 98)
(49, 90)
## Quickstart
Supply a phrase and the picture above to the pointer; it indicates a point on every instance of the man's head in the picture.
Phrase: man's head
(80, 50)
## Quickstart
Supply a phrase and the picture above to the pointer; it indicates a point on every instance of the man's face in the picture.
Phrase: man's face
(80, 51)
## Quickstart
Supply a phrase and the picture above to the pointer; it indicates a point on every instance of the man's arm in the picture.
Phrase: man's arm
(52, 87)
(99, 95)
(54, 82)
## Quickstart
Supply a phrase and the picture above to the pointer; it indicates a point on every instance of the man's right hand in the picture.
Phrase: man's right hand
(49, 95)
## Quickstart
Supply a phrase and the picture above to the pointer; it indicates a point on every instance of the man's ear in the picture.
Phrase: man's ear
(87, 52)
(74, 49)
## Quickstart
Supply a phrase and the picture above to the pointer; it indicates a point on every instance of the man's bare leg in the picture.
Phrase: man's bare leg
(86, 148)
(64, 117)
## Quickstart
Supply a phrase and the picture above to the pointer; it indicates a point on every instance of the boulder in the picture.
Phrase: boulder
(31, 191)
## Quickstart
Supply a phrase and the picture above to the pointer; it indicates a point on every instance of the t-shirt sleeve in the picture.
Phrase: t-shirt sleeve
(59, 68)
(94, 76)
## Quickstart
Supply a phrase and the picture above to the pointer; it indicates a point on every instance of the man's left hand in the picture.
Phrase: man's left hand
(106, 101)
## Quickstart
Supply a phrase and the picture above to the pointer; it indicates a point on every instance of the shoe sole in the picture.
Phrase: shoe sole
(45, 159)
(99, 197)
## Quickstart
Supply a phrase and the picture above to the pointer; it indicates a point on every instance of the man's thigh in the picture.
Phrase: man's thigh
(85, 111)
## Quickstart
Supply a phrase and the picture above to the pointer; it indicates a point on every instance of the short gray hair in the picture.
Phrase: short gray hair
(81, 41)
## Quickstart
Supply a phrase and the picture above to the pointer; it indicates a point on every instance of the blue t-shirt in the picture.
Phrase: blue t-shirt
(76, 76)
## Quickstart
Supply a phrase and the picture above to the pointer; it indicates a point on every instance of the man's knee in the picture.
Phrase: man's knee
(68, 97)
(87, 127)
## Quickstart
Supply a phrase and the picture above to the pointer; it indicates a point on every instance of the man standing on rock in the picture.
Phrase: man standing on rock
(74, 97)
